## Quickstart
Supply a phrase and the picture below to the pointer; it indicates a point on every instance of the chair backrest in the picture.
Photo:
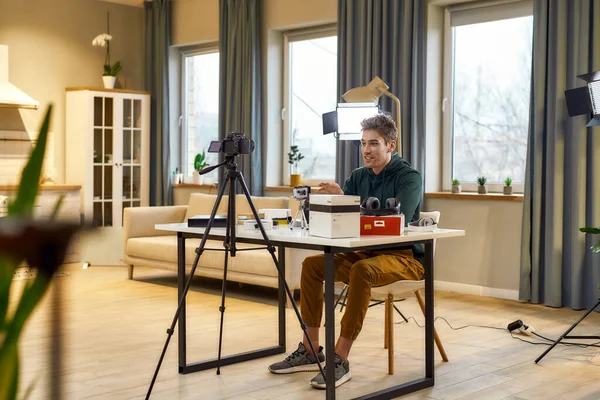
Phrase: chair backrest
(435, 215)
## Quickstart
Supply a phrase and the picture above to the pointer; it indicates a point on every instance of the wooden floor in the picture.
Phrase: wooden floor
(115, 329)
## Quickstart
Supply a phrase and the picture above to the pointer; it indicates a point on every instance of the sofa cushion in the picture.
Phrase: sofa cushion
(202, 204)
(242, 206)
(164, 248)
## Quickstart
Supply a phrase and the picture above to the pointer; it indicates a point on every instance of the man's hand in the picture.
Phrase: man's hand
(330, 188)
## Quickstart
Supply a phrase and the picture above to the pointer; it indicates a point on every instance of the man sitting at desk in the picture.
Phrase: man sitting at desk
(385, 175)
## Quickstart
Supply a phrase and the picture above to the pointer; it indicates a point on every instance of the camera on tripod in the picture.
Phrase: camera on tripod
(234, 144)
(301, 192)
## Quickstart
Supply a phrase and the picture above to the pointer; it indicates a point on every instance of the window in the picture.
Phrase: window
(310, 90)
(487, 82)
(200, 107)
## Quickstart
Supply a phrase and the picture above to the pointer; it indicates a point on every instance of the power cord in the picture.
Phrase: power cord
(512, 335)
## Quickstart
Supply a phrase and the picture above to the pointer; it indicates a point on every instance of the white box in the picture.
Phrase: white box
(334, 216)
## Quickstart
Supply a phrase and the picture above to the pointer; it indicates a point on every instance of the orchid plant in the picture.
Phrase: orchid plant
(103, 40)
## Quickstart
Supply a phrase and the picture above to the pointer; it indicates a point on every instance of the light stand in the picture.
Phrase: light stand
(567, 336)
(231, 177)
(581, 101)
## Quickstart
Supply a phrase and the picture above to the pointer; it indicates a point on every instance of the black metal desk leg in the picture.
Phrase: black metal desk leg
(329, 324)
(181, 329)
(281, 259)
(429, 318)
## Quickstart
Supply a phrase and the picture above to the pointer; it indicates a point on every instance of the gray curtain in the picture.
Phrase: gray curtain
(240, 84)
(562, 181)
(384, 38)
(157, 16)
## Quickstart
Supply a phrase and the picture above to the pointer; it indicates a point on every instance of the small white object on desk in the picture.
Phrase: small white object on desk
(252, 225)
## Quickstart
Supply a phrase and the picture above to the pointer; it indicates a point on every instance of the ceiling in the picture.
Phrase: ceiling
(134, 3)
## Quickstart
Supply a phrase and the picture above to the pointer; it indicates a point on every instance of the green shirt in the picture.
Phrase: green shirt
(397, 180)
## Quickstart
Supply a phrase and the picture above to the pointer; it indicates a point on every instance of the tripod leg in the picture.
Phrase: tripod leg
(567, 332)
(400, 312)
(222, 310)
(199, 252)
(272, 251)
(229, 246)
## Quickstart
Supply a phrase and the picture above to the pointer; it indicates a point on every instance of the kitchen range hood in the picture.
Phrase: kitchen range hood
(10, 95)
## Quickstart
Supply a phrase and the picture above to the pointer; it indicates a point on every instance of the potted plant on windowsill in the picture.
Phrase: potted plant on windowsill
(482, 188)
(508, 188)
(199, 164)
(456, 186)
(294, 156)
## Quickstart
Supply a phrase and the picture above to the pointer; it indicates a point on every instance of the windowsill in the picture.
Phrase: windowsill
(474, 196)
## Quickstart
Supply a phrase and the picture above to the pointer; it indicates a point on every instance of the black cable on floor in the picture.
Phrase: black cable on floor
(580, 345)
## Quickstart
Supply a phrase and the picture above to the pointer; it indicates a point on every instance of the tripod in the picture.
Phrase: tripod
(232, 175)
(303, 221)
(567, 336)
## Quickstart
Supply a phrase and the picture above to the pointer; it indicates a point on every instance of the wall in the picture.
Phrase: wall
(197, 21)
(50, 49)
(487, 260)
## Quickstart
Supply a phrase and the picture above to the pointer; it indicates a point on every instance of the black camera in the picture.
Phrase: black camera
(234, 144)
(301, 192)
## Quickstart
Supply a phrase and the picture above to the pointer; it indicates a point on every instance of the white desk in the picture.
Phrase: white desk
(284, 237)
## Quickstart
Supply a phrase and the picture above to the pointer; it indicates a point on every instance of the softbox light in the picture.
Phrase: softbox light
(586, 99)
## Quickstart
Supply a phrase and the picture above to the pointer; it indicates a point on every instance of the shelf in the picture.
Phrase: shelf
(99, 89)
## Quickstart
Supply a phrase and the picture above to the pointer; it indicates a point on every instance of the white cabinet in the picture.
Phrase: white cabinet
(108, 151)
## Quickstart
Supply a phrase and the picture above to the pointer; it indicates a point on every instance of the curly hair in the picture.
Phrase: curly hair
(384, 124)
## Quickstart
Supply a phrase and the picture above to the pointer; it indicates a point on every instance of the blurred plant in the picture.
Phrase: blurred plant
(593, 231)
(481, 180)
(11, 256)
(455, 182)
(508, 182)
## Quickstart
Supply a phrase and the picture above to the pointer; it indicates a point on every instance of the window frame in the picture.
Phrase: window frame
(186, 52)
(291, 36)
(504, 9)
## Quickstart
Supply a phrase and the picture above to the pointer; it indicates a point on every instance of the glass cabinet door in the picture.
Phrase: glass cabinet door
(132, 152)
(103, 161)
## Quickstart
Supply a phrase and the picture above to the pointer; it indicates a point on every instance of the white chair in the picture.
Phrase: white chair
(397, 291)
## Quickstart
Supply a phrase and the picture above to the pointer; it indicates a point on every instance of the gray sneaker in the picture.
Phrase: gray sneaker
(299, 361)
(342, 374)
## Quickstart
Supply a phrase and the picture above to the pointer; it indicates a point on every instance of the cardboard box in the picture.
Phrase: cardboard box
(384, 225)
(334, 216)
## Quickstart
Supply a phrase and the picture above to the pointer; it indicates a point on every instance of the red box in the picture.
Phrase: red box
(384, 225)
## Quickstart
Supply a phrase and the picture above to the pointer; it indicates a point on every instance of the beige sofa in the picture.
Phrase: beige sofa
(146, 246)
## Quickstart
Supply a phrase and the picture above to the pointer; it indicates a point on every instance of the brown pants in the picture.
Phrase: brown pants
(360, 270)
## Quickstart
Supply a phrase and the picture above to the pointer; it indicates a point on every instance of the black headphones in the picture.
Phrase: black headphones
(370, 206)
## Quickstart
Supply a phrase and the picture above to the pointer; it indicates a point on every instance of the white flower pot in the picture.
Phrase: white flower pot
(198, 179)
(109, 81)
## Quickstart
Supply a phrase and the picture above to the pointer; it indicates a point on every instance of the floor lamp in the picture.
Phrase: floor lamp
(371, 94)
(580, 101)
